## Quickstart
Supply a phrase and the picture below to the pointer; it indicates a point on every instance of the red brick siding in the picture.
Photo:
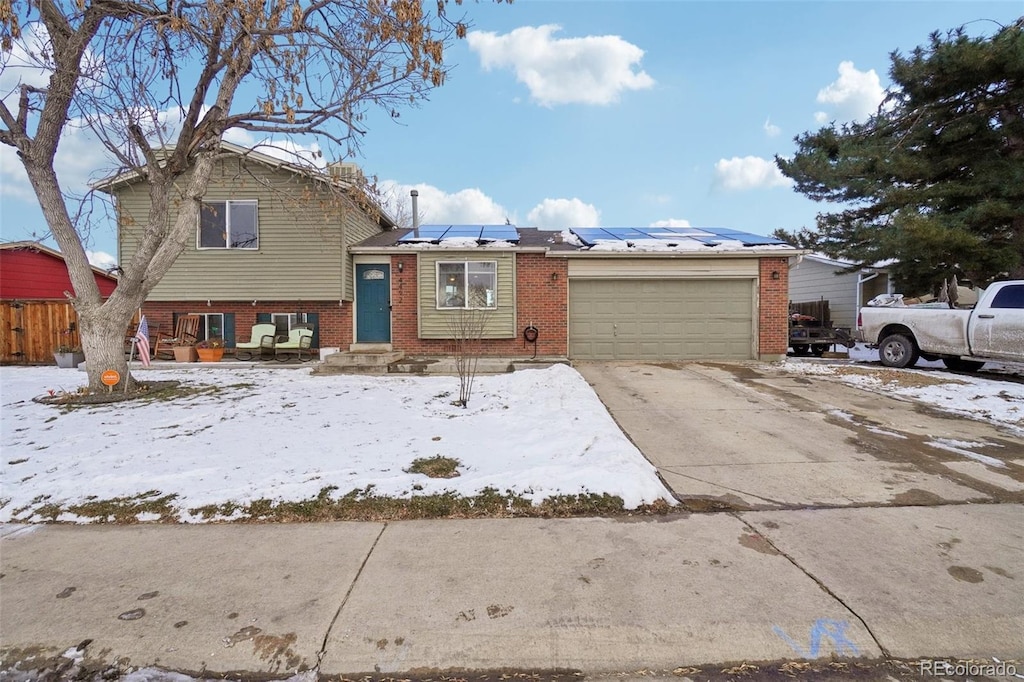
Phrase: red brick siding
(335, 323)
(541, 301)
(773, 309)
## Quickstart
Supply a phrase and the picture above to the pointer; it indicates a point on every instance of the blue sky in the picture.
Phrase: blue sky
(561, 114)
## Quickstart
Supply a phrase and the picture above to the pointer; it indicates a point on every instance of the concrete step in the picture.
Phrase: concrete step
(350, 359)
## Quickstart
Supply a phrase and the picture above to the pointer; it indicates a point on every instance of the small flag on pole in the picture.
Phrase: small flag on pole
(142, 341)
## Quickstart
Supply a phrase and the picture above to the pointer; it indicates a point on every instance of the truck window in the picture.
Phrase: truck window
(1010, 297)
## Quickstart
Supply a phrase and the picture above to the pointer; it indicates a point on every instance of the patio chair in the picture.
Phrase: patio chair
(186, 333)
(261, 341)
(299, 341)
(130, 340)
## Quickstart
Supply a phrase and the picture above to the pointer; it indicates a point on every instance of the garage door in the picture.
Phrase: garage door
(618, 319)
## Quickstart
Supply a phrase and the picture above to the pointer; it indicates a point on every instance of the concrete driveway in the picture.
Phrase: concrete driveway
(752, 437)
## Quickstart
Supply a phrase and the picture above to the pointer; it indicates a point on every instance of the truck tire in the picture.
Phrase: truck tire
(959, 365)
(819, 349)
(897, 350)
(801, 349)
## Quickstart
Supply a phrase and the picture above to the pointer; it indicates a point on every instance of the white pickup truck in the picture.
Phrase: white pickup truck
(962, 339)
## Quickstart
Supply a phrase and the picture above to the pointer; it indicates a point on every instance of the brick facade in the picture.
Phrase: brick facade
(773, 308)
(334, 326)
(542, 288)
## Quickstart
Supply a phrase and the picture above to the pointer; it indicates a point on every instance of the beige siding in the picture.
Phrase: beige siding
(643, 268)
(433, 323)
(812, 281)
(302, 249)
(358, 226)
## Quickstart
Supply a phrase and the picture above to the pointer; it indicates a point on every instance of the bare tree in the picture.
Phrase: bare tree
(467, 328)
(159, 83)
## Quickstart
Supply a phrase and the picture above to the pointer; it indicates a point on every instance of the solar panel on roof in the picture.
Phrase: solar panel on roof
(591, 235)
(504, 233)
(464, 231)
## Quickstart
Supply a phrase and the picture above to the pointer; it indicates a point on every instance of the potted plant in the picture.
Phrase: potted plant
(185, 353)
(210, 350)
(68, 357)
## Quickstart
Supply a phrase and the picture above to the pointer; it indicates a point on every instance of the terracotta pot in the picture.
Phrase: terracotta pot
(210, 354)
(184, 354)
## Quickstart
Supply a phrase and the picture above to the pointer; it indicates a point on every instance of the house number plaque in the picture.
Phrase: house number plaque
(373, 274)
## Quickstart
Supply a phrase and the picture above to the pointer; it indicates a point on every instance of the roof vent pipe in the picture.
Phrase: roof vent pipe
(415, 214)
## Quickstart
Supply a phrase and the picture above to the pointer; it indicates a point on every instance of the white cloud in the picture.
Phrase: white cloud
(589, 70)
(101, 259)
(465, 207)
(671, 222)
(559, 214)
(855, 95)
(820, 117)
(748, 172)
(771, 129)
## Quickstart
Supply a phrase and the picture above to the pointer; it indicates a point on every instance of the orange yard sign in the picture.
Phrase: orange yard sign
(110, 377)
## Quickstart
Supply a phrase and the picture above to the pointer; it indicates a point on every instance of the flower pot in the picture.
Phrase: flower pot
(210, 354)
(184, 354)
(69, 360)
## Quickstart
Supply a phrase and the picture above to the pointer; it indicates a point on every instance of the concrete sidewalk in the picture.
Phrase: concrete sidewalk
(597, 595)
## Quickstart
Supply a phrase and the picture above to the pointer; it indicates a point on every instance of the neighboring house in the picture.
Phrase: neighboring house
(35, 314)
(591, 294)
(271, 246)
(814, 277)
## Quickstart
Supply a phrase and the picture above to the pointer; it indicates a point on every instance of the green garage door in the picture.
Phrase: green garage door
(628, 319)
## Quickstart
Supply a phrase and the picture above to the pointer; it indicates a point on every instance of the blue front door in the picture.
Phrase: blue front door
(373, 303)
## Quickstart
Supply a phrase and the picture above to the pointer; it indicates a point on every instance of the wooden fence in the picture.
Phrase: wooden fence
(31, 330)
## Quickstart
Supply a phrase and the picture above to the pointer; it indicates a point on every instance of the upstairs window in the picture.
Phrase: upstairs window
(467, 284)
(228, 225)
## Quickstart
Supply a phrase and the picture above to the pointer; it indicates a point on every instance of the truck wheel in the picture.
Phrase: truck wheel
(896, 350)
(958, 365)
(801, 349)
(819, 349)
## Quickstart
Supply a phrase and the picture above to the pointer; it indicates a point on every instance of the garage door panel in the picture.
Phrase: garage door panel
(660, 319)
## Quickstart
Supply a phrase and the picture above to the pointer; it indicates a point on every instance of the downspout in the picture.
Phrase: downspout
(861, 280)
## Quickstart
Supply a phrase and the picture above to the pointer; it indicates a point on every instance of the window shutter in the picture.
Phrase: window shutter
(229, 330)
(263, 318)
(314, 320)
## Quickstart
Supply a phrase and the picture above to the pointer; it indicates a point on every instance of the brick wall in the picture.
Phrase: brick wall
(541, 301)
(335, 322)
(773, 321)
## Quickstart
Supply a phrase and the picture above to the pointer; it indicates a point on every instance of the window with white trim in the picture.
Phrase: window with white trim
(211, 325)
(285, 322)
(228, 225)
(467, 284)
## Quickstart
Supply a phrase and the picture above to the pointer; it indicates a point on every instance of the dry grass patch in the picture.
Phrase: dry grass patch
(435, 467)
(899, 377)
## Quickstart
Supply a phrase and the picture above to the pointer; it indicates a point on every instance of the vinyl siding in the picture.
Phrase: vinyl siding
(813, 281)
(302, 250)
(358, 226)
(433, 323)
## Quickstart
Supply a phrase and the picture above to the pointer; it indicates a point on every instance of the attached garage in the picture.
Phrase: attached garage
(693, 310)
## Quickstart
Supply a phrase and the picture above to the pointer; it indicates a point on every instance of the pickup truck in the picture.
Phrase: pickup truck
(963, 339)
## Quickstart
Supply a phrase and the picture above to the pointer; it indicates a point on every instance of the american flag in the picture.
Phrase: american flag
(142, 341)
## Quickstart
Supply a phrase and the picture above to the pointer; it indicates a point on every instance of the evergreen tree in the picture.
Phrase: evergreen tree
(935, 179)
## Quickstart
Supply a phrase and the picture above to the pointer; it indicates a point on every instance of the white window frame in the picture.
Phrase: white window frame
(204, 327)
(467, 270)
(290, 319)
(227, 225)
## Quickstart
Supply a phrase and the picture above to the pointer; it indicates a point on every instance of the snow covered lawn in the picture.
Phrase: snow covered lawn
(286, 435)
(973, 396)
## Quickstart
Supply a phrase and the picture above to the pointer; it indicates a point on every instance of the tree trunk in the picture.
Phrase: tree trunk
(102, 330)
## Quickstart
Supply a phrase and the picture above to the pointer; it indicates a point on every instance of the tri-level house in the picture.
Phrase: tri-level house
(271, 246)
